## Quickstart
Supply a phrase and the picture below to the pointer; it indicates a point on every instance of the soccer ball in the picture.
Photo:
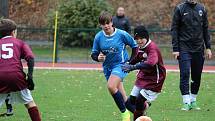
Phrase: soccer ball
(143, 118)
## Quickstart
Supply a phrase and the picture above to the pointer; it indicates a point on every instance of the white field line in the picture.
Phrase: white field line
(85, 68)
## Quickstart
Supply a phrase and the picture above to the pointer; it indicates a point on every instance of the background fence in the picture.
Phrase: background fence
(41, 42)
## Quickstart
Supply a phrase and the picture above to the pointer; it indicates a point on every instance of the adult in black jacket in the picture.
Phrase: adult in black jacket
(190, 37)
(120, 21)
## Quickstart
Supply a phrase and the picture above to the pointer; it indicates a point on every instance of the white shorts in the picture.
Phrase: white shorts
(148, 94)
(23, 96)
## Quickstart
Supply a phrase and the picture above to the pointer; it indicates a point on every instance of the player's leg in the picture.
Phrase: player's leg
(112, 85)
(130, 103)
(185, 65)
(2, 100)
(196, 71)
(117, 91)
(122, 90)
(25, 97)
(8, 106)
(140, 106)
(143, 102)
(33, 111)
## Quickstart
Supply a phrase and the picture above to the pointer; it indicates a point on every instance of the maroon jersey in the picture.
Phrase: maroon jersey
(153, 78)
(12, 77)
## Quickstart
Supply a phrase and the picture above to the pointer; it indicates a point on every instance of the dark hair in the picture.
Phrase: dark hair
(141, 32)
(105, 18)
(6, 27)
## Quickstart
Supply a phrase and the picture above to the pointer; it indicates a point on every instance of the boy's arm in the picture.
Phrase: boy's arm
(174, 29)
(30, 63)
(206, 34)
(27, 54)
(127, 67)
(94, 56)
(128, 39)
(151, 60)
(133, 58)
(95, 50)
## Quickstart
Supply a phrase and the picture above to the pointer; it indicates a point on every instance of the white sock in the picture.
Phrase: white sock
(186, 99)
(193, 97)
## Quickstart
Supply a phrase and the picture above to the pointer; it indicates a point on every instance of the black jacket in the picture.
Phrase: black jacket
(122, 22)
(190, 28)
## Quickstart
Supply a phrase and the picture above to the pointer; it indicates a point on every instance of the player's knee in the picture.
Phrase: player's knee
(30, 104)
(112, 89)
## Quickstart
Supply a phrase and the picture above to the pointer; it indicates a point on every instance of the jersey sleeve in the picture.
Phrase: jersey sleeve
(174, 29)
(206, 34)
(129, 40)
(26, 52)
(136, 58)
(96, 48)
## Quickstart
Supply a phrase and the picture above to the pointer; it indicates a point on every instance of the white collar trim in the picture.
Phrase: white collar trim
(6, 37)
(146, 44)
(111, 34)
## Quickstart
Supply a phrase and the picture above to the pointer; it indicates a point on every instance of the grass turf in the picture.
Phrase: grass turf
(64, 95)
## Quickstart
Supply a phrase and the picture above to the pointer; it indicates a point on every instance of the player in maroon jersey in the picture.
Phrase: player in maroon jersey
(12, 77)
(151, 73)
(9, 107)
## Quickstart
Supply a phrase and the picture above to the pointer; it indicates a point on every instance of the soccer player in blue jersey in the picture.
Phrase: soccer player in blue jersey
(109, 47)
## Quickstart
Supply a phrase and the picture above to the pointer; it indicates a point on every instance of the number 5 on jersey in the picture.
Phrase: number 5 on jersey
(8, 49)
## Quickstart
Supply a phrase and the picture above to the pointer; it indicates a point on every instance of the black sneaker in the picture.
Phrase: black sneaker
(9, 112)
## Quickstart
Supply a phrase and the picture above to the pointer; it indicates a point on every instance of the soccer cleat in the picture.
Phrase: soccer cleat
(186, 107)
(194, 106)
(9, 112)
(125, 116)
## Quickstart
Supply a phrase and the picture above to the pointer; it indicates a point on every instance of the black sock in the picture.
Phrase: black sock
(130, 103)
(9, 106)
(140, 103)
(118, 98)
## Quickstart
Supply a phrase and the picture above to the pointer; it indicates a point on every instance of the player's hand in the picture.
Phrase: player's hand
(208, 53)
(30, 82)
(127, 68)
(101, 57)
(175, 55)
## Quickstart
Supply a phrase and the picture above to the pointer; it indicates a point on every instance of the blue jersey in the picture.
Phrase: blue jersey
(113, 46)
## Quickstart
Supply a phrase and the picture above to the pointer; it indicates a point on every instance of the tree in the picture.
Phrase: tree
(75, 14)
(157, 13)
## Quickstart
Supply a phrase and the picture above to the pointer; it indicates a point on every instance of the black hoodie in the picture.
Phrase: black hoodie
(190, 28)
(122, 22)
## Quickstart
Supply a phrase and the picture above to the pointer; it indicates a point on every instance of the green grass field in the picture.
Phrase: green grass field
(64, 95)
(78, 53)
(74, 54)
(46, 52)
